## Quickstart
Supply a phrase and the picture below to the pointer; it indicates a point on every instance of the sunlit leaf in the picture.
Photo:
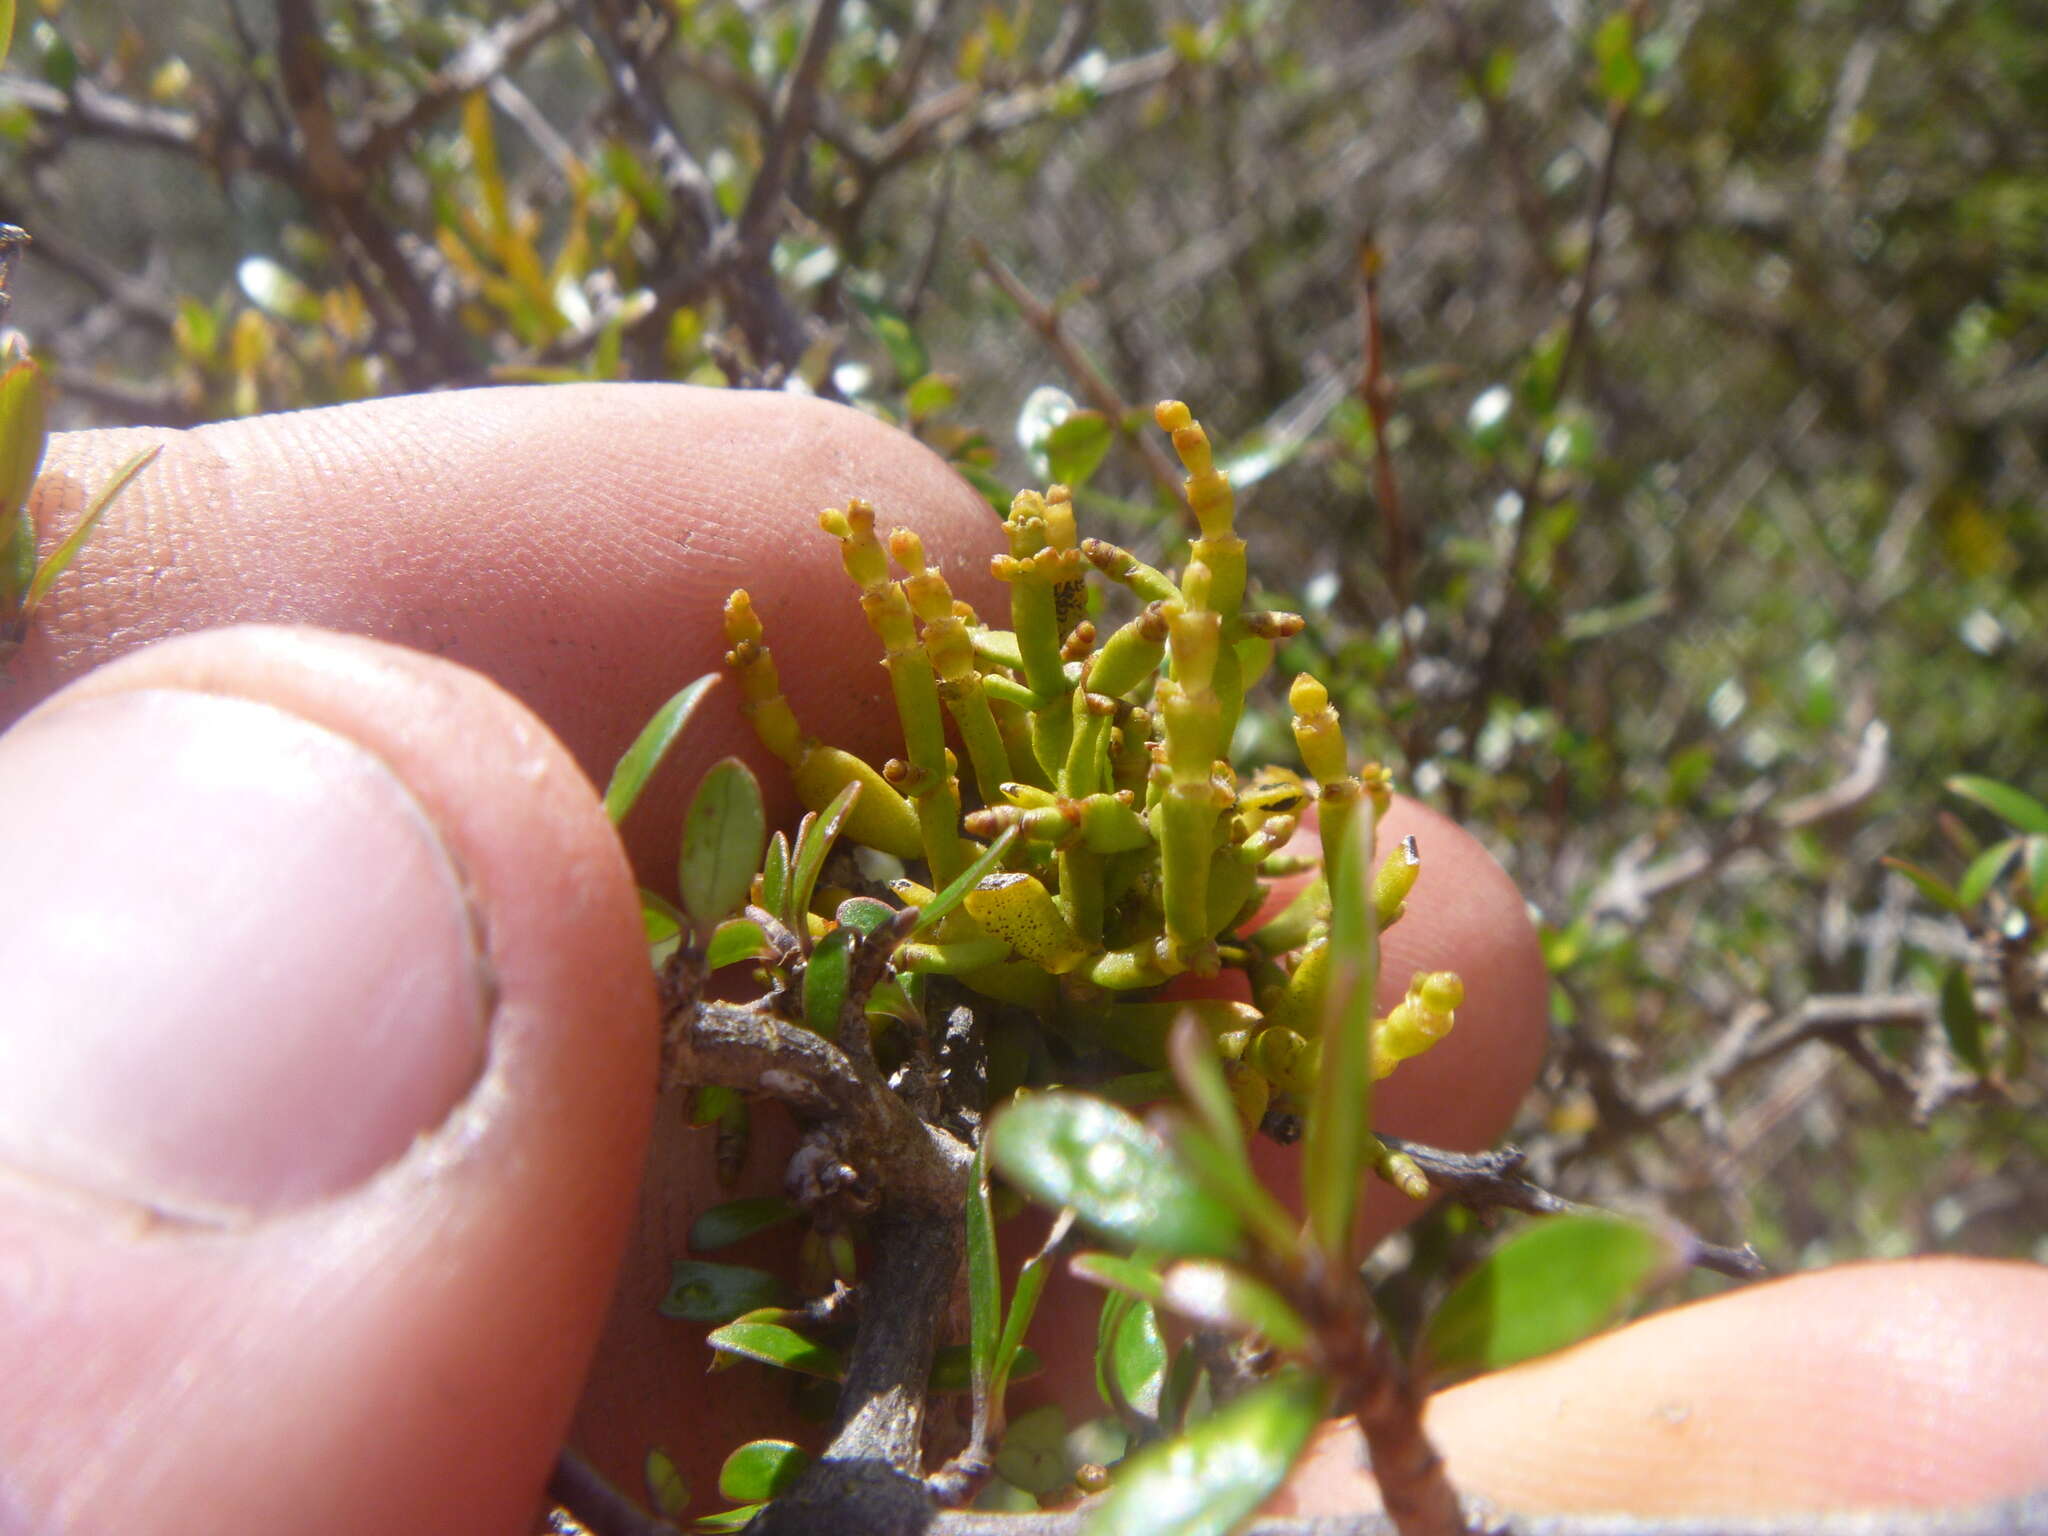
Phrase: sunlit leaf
(984, 1279)
(1930, 885)
(898, 338)
(864, 914)
(775, 879)
(716, 1293)
(24, 406)
(1614, 54)
(736, 1220)
(1985, 871)
(1552, 1284)
(815, 837)
(726, 1520)
(1075, 448)
(1067, 1149)
(1130, 1353)
(61, 557)
(931, 394)
(826, 975)
(773, 1344)
(941, 906)
(2017, 807)
(723, 835)
(761, 1469)
(651, 746)
(1215, 1475)
(1339, 1112)
(1961, 1021)
(1128, 1275)
(1221, 1296)
(735, 940)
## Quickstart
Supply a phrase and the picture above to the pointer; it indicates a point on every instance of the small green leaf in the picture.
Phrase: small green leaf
(953, 1369)
(667, 1493)
(1130, 1353)
(712, 1102)
(1333, 1153)
(1075, 448)
(864, 914)
(1221, 1296)
(723, 835)
(735, 940)
(659, 920)
(1961, 1021)
(717, 1293)
(651, 746)
(1069, 1149)
(930, 395)
(1930, 885)
(1614, 52)
(942, 905)
(67, 551)
(1985, 871)
(1128, 1275)
(814, 838)
(898, 338)
(773, 1344)
(761, 1469)
(737, 1220)
(24, 404)
(775, 879)
(825, 980)
(1031, 1278)
(984, 1279)
(1552, 1284)
(2017, 807)
(726, 1520)
(1218, 1473)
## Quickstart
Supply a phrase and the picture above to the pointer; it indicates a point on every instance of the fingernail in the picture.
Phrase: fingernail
(240, 970)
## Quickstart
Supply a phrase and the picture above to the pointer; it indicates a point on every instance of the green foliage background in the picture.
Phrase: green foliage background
(1781, 502)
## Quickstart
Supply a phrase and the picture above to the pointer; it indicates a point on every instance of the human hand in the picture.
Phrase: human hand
(328, 1072)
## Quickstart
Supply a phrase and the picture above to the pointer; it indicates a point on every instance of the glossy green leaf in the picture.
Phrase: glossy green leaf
(814, 839)
(651, 746)
(761, 1469)
(667, 1494)
(734, 941)
(1961, 1021)
(826, 975)
(1985, 871)
(717, 1293)
(1118, 1274)
(1222, 1296)
(24, 406)
(773, 1344)
(61, 557)
(775, 879)
(1333, 1153)
(726, 1520)
(723, 836)
(1552, 1284)
(1929, 884)
(1219, 1472)
(941, 906)
(930, 395)
(1075, 448)
(984, 1278)
(2017, 807)
(864, 914)
(1067, 1149)
(737, 1220)
(1130, 1353)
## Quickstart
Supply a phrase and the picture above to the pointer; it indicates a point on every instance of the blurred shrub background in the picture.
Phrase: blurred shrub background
(1689, 530)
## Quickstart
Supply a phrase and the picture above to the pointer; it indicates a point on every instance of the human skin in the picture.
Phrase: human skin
(256, 873)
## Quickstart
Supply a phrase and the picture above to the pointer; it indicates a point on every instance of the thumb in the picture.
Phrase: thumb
(325, 1076)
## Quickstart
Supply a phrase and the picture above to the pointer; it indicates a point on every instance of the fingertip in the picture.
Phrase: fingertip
(401, 1344)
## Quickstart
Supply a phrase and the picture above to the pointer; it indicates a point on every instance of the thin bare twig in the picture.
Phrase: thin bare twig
(1376, 390)
(1100, 393)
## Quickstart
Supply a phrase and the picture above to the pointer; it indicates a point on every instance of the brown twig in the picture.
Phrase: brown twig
(1376, 391)
(1101, 394)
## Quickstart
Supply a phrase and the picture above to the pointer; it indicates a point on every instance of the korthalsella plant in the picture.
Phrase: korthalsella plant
(970, 960)
(1132, 851)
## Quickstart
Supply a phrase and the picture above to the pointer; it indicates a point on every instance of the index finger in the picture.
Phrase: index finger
(576, 543)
